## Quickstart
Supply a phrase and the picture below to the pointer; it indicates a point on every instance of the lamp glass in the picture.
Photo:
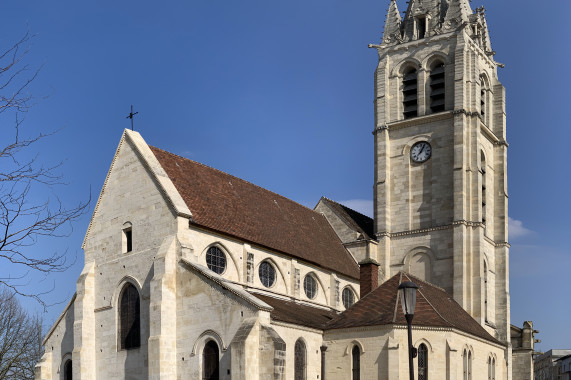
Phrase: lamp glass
(407, 292)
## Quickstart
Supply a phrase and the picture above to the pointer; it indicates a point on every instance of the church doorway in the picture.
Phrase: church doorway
(210, 359)
(67, 370)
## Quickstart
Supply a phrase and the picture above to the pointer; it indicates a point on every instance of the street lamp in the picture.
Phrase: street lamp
(407, 293)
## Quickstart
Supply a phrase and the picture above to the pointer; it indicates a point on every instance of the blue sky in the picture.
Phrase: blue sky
(280, 94)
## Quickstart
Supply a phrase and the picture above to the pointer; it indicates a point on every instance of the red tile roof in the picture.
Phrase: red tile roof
(232, 206)
(296, 313)
(434, 308)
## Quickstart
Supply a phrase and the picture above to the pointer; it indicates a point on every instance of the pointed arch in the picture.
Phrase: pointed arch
(300, 360)
(129, 317)
(422, 362)
(278, 270)
(356, 363)
(353, 344)
(228, 257)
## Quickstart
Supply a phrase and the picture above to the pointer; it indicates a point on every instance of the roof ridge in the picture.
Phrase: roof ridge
(347, 207)
(238, 178)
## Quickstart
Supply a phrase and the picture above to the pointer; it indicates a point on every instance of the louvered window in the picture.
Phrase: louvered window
(130, 312)
(356, 353)
(300, 362)
(422, 362)
(485, 292)
(410, 94)
(437, 88)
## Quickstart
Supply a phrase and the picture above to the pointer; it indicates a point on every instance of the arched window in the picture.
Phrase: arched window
(300, 360)
(130, 318)
(68, 370)
(467, 356)
(493, 369)
(469, 365)
(437, 88)
(421, 266)
(422, 362)
(410, 93)
(356, 354)
(489, 368)
(210, 360)
(484, 193)
(484, 99)
(485, 292)
(310, 286)
(267, 274)
(348, 297)
(216, 260)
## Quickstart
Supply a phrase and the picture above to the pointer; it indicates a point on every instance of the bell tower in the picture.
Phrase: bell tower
(440, 187)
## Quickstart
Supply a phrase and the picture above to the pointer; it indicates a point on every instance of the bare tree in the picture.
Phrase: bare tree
(23, 176)
(20, 339)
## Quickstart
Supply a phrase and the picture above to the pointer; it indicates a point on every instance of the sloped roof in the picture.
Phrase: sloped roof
(232, 206)
(434, 308)
(296, 313)
(355, 220)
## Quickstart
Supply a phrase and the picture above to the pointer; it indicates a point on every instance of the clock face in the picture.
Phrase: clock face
(421, 151)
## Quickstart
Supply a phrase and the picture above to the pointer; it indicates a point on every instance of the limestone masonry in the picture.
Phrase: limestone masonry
(191, 273)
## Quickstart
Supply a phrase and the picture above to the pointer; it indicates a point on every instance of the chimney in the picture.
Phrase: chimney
(369, 281)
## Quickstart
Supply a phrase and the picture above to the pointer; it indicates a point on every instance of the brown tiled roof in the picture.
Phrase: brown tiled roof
(298, 314)
(434, 308)
(232, 206)
(357, 221)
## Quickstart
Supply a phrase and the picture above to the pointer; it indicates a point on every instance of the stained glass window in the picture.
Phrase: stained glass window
(348, 297)
(216, 260)
(300, 362)
(267, 274)
(310, 286)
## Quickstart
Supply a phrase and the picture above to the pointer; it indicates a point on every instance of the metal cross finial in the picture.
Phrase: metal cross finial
(131, 116)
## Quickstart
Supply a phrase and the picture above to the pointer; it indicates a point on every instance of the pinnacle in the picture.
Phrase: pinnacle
(393, 22)
(458, 10)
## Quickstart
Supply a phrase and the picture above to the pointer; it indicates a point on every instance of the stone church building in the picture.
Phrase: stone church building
(191, 273)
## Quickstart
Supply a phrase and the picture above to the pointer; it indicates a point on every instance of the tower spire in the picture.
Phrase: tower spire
(392, 24)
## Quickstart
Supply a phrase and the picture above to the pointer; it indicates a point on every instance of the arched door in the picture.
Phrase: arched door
(210, 360)
(67, 371)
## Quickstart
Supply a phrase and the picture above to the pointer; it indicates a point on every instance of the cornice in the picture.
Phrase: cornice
(496, 243)
(296, 327)
(431, 229)
(413, 122)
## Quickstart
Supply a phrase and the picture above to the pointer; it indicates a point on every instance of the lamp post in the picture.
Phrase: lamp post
(407, 292)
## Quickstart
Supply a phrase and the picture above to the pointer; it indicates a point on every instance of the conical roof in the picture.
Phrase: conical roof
(434, 308)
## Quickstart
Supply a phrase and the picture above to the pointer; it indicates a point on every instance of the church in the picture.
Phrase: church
(192, 273)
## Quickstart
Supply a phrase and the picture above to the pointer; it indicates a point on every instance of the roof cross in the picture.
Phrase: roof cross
(131, 116)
